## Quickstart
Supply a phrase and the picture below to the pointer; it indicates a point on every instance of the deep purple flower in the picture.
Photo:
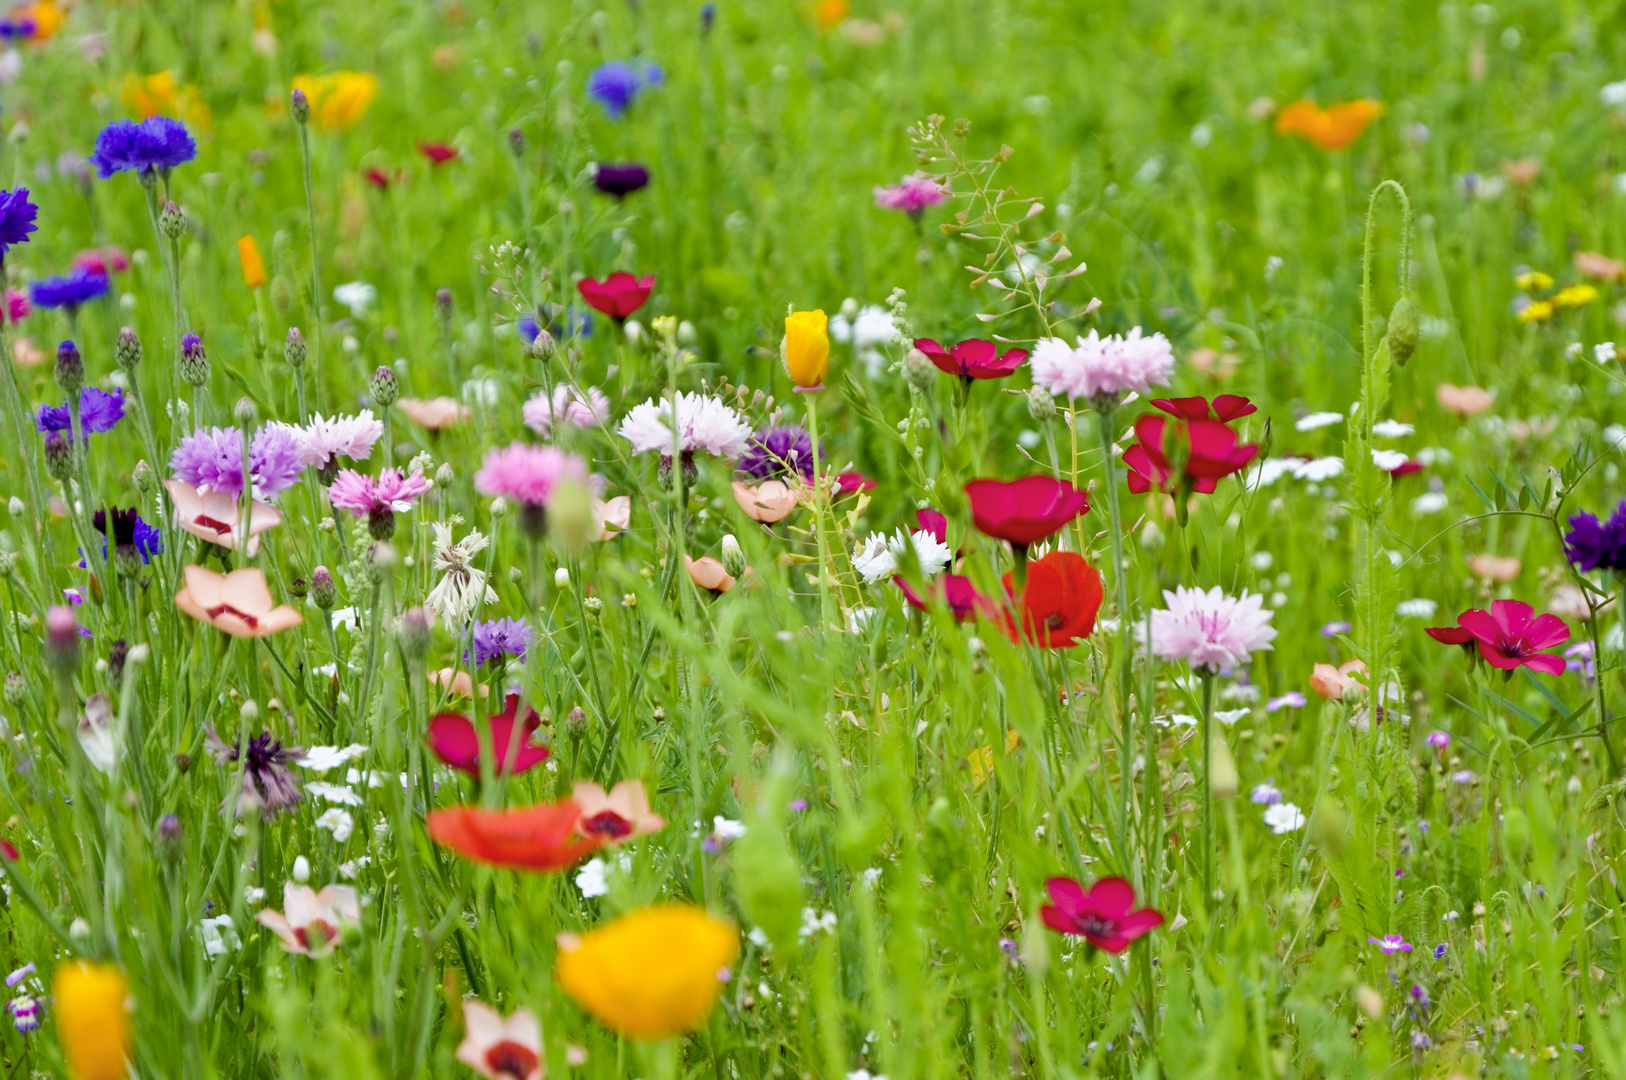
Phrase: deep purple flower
(1592, 545)
(615, 84)
(17, 30)
(708, 15)
(778, 451)
(212, 459)
(498, 638)
(70, 290)
(620, 180)
(17, 216)
(98, 412)
(269, 786)
(1439, 950)
(131, 535)
(158, 142)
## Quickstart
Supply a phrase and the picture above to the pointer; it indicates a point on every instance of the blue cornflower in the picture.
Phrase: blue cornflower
(498, 638)
(615, 84)
(98, 412)
(131, 535)
(158, 142)
(17, 29)
(1592, 545)
(575, 323)
(70, 290)
(17, 216)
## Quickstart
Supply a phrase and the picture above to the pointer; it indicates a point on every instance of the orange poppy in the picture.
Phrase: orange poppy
(1332, 128)
(540, 838)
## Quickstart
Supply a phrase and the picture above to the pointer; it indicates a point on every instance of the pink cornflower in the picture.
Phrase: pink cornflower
(361, 494)
(912, 194)
(323, 439)
(17, 305)
(579, 408)
(103, 261)
(1102, 368)
(528, 474)
(1210, 630)
(704, 423)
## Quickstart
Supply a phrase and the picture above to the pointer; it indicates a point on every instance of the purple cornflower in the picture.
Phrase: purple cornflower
(1593, 545)
(158, 142)
(269, 786)
(498, 638)
(1439, 740)
(98, 412)
(17, 216)
(17, 29)
(19, 975)
(615, 84)
(1439, 950)
(212, 459)
(620, 180)
(1290, 700)
(1265, 794)
(778, 451)
(68, 291)
(1389, 944)
(1578, 660)
(1333, 629)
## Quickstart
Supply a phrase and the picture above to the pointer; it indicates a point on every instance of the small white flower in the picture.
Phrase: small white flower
(215, 935)
(333, 793)
(349, 870)
(1229, 717)
(727, 829)
(757, 937)
(253, 894)
(1319, 469)
(302, 869)
(591, 879)
(1317, 420)
(813, 922)
(1388, 460)
(338, 822)
(872, 875)
(1429, 502)
(1613, 94)
(358, 296)
(1420, 608)
(1604, 352)
(1392, 429)
(1284, 818)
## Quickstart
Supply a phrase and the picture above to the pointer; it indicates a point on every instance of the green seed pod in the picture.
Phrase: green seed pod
(1405, 325)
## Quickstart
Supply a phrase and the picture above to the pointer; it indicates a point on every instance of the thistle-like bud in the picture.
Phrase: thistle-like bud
(293, 349)
(384, 387)
(918, 371)
(16, 691)
(444, 476)
(299, 106)
(1041, 406)
(61, 640)
(282, 294)
(733, 557)
(172, 221)
(541, 347)
(381, 523)
(144, 479)
(1405, 327)
(499, 507)
(58, 456)
(194, 361)
(443, 304)
(323, 590)
(117, 654)
(70, 369)
(576, 722)
(417, 633)
(127, 349)
(245, 412)
(516, 142)
(299, 588)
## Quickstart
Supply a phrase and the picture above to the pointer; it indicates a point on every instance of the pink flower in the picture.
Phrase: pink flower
(500, 1049)
(1105, 916)
(1209, 629)
(1102, 366)
(310, 921)
(17, 305)
(361, 494)
(912, 194)
(583, 409)
(103, 261)
(527, 474)
(704, 423)
(617, 816)
(1510, 635)
(324, 439)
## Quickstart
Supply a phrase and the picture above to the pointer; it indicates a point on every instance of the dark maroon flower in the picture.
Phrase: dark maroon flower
(1104, 916)
(455, 740)
(618, 295)
(973, 359)
(954, 590)
(1508, 636)
(1024, 511)
(620, 179)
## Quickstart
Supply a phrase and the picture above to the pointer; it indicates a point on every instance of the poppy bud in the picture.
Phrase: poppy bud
(918, 371)
(1041, 406)
(127, 350)
(1405, 326)
(58, 456)
(384, 387)
(806, 348)
(293, 349)
(733, 557)
(172, 221)
(70, 369)
(323, 590)
(300, 107)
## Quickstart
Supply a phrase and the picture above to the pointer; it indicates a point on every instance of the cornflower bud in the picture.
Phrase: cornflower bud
(194, 361)
(116, 657)
(127, 350)
(16, 691)
(70, 369)
(172, 222)
(299, 106)
(443, 304)
(323, 590)
(58, 456)
(576, 722)
(293, 349)
(444, 475)
(516, 142)
(61, 640)
(541, 347)
(1041, 406)
(245, 412)
(384, 387)
(733, 557)
(145, 482)
(170, 832)
(417, 633)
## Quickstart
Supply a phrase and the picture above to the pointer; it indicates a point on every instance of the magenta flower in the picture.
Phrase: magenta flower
(912, 194)
(361, 494)
(1389, 944)
(972, 359)
(1510, 635)
(528, 474)
(1105, 916)
(1439, 740)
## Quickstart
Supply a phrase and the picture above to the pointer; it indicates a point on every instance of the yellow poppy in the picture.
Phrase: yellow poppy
(338, 101)
(1575, 295)
(1533, 281)
(807, 348)
(92, 1020)
(1332, 128)
(248, 253)
(650, 974)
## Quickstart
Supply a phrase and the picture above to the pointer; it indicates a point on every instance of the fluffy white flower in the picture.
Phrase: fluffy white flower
(323, 439)
(1317, 420)
(1102, 365)
(877, 557)
(1420, 608)
(1284, 818)
(1391, 429)
(591, 878)
(704, 423)
(338, 822)
(463, 586)
(1209, 629)
(579, 408)
(1388, 460)
(358, 296)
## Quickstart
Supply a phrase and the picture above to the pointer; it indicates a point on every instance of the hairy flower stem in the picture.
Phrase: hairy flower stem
(826, 602)
(316, 262)
(1208, 789)
(1121, 654)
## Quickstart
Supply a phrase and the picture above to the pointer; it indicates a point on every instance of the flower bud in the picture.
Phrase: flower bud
(299, 588)
(16, 691)
(384, 387)
(323, 590)
(849, 309)
(561, 578)
(70, 369)
(444, 476)
(380, 522)
(443, 304)
(918, 371)
(733, 557)
(127, 350)
(417, 633)
(634, 331)
(570, 516)
(299, 106)
(8, 564)
(293, 349)
(1041, 406)
(687, 335)
(145, 482)
(594, 607)
(516, 142)
(541, 347)
(172, 221)
(256, 336)
(499, 507)
(16, 506)
(302, 869)
(194, 361)
(117, 655)
(282, 294)
(576, 722)
(58, 456)
(1405, 326)
(245, 412)
(61, 640)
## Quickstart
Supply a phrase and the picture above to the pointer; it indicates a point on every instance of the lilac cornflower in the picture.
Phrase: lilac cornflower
(1290, 700)
(1439, 950)
(1466, 776)
(19, 975)
(71, 290)
(1593, 545)
(99, 411)
(615, 84)
(212, 459)
(1333, 629)
(1389, 944)
(269, 786)
(1439, 740)
(778, 451)
(157, 143)
(1265, 794)
(17, 217)
(1578, 661)
(498, 638)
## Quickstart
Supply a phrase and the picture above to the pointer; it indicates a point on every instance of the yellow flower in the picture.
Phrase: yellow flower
(340, 100)
(92, 1020)
(248, 253)
(1575, 295)
(1533, 280)
(152, 95)
(1537, 311)
(46, 17)
(807, 348)
(981, 759)
(650, 974)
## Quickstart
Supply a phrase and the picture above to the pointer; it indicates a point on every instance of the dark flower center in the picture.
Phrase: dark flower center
(211, 523)
(509, 1058)
(1096, 926)
(215, 613)
(1512, 648)
(1054, 622)
(317, 935)
(608, 824)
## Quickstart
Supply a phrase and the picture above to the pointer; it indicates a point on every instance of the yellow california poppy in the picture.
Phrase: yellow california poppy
(339, 100)
(248, 253)
(1332, 128)
(155, 95)
(807, 347)
(650, 974)
(92, 1020)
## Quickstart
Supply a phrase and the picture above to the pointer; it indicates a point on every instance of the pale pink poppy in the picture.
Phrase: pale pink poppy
(612, 515)
(1569, 602)
(310, 921)
(1600, 267)
(620, 815)
(1463, 400)
(456, 683)
(500, 1049)
(767, 502)
(435, 414)
(237, 603)
(1500, 569)
(709, 574)
(215, 516)
(1331, 682)
(1521, 172)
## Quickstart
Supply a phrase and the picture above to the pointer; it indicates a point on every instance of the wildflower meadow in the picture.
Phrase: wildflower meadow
(845, 540)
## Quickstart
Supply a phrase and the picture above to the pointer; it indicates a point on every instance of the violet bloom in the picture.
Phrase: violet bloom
(1103, 369)
(913, 194)
(70, 291)
(269, 786)
(1389, 944)
(1439, 740)
(132, 537)
(620, 179)
(1578, 661)
(778, 451)
(1265, 794)
(498, 638)
(1593, 545)
(99, 411)
(617, 83)
(1290, 700)
(157, 143)
(1439, 950)
(17, 216)
(211, 459)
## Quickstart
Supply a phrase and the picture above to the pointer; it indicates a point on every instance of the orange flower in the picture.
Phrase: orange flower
(540, 838)
(767, 502)
(1059, 603)
(92, 1019)
(1332, 128)
(709, 574)
(46, 16)
(237, 603)
(830, 13)
(1330, 682)
(248, 253)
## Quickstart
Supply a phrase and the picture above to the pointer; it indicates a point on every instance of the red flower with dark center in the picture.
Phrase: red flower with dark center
(540, 838)
(1508, 636)
(456, 741)
(607, 824)
(1024, 511)
(955, 590)
(618, 295)
(1104, 916)
(1058, 605)
(438, 153)
(973, 359)
(1194, 451)
(509, 1058)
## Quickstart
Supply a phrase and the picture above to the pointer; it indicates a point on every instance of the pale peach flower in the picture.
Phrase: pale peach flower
(1600, 267)
(237, 603)
(767, 502)
(216, 516)
(310, 921)
(26, 353)
(709, 574)
(435, 414)
(1521, 172)
(620, 815)
(500, 1049)
(1500, 569)
(1463, 400)
(1214, 364)
(612, 515)
(1331, 682)
(456, 683)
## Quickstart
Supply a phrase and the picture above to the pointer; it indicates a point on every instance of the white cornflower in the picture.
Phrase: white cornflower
(1317, 420)
(1102, 366)
(877, 557)
(463, 586)
(324, 439)
(1284, 818)
(704, 423)
(338, 822)
(1209, 629)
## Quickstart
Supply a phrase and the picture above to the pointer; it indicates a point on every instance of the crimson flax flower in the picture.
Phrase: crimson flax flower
(1105, 916)
(618, 295)
(973, 359)
(1194, 452)
(1508, 636)
(456, 741)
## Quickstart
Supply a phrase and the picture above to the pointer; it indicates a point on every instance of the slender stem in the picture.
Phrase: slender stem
(316, 263)
(1208, 790)
(1120, 655)
(826, 603)
(25, 440)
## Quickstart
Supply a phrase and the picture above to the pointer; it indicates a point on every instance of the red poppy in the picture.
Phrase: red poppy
(542, 837)
(1024, 511)
(1058, 605)
(974, 359)
(618, 295)
(1198, 443)
(456, 741)
(849, 482)
(1509, 635)
(955, 590)
(438, 153)
(1104, 916)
